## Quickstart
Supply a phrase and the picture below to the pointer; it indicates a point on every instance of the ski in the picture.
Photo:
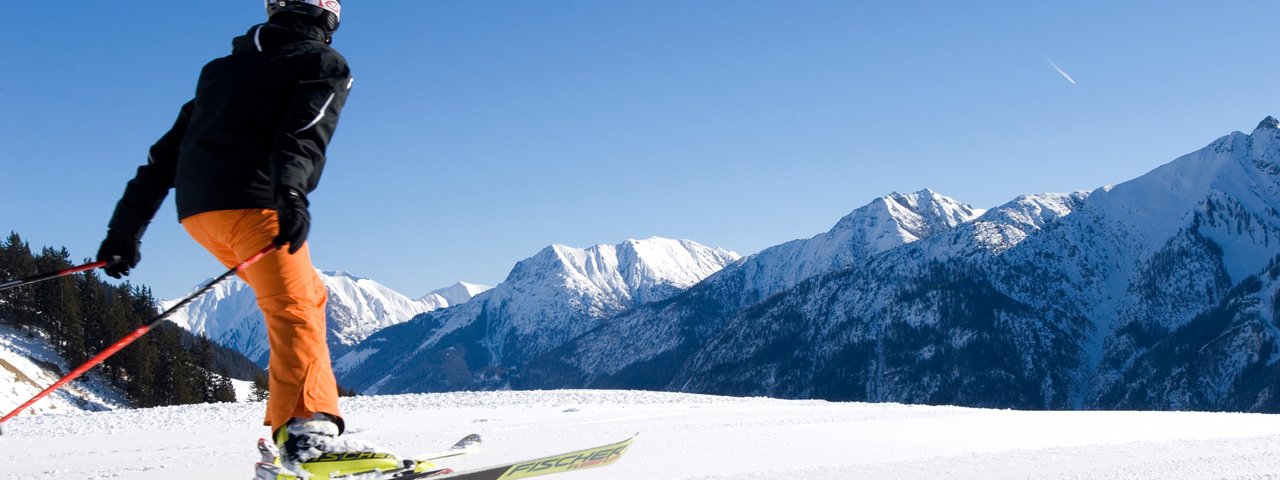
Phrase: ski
(271, 471)
(421, 466)
(268, 471)
(564, 462)
(464, 446)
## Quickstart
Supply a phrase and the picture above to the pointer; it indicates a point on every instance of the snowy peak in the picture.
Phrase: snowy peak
(900, 219)
(547, 299)
(1265, 147)
(1269, 123)
(635, 271)
(652, 268)
(1034, 211)
(1004, 227)
(885, 223)
(933, 208)
(455, 294)
(1228, 190)
(357, 308)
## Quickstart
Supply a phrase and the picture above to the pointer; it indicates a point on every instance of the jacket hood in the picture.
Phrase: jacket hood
(269, 36)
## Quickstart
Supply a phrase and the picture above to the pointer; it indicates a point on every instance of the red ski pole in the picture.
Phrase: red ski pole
(99, 358)
(55, 274)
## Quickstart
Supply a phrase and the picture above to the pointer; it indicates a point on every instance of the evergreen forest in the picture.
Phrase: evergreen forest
(81, 315)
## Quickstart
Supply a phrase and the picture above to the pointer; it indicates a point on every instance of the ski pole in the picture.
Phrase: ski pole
(58, 273)
(99, 358)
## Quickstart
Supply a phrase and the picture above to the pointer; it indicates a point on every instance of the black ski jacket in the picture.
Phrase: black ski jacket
(261, 120)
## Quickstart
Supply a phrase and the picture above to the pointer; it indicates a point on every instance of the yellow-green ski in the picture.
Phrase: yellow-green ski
(565, 462)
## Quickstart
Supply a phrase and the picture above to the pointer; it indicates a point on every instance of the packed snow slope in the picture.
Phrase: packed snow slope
(682, 437)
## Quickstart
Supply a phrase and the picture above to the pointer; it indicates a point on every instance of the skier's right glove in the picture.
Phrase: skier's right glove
(121, 251)
(295, 220)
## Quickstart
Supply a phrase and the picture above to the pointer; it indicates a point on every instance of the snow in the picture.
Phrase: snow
(682, 437)
(456, 294)
(546, 300)
(884, 224)
(1236, 174)
(243, 388)
(25, 370)
(636, 271)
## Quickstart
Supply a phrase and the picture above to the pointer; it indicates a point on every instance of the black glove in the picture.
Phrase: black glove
(295, 221)
(121, 251)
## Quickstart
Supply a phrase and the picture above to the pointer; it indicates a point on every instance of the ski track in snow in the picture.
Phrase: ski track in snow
(682, 437)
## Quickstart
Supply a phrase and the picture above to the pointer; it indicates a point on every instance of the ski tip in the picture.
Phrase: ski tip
(468, 441)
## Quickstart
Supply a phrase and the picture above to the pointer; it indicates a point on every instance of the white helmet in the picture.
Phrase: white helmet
(329, 10)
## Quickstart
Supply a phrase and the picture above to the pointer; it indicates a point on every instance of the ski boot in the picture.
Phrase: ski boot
(311, 449)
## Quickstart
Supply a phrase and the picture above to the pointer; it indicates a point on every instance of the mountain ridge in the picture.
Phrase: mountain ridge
(546, 299)
(357, 307)
(1045, 302)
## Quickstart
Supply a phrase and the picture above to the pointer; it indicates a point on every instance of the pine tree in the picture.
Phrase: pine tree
(261, 388)
(93, 300)
(58, 306)
(202, 354)
(188, 378)
(115, 325)
(16, 261)
(177, 378)
(142, 359)
(224, 390)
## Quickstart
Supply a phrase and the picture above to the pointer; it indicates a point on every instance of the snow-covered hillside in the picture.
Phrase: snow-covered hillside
(682, 437)
(547, 299)
(28, 365)
(357, 308)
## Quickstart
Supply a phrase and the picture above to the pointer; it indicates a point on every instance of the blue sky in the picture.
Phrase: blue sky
(479, 132)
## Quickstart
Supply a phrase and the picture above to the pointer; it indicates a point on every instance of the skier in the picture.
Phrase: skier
(242, 158)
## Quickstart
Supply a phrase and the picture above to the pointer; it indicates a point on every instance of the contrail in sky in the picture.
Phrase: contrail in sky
(1059, 69)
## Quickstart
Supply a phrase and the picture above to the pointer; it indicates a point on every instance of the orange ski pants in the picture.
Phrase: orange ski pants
(292, 299)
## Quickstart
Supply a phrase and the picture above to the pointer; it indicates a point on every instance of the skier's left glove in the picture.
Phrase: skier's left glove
(295, 220)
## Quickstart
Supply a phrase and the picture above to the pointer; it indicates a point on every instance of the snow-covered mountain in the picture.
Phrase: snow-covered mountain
(357, 308)
(662, 336)
(885, 223)
(456, 294)
(546, 300)
(1225, 358)
(1149, 294)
